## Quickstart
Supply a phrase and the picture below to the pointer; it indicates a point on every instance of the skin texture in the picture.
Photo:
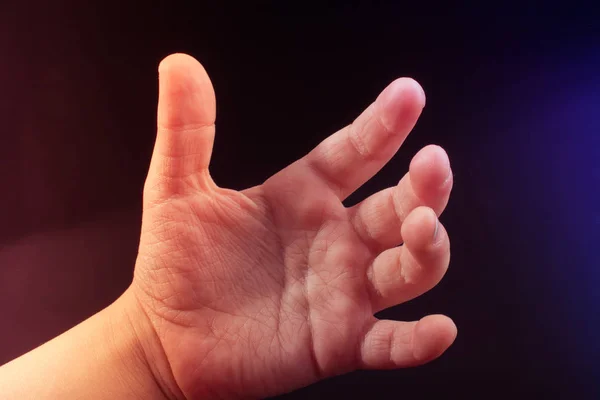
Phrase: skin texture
(254, 293)
(259, 292)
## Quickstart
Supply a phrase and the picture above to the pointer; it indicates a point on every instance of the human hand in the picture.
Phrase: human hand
(259, 292)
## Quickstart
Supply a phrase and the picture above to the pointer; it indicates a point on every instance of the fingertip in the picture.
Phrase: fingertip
(421, 91)
(400, 104)
(432, 336)
(402, 89)
(407, 86)
(186, 95)
(420, 228)
(177, 59)
(430, 171)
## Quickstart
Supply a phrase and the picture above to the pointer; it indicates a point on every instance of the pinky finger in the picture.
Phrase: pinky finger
(394, 344)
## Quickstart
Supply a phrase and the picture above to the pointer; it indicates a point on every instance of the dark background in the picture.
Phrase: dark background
(512, 95)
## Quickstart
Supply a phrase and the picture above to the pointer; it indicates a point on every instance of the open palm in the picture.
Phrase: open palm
(259, 292)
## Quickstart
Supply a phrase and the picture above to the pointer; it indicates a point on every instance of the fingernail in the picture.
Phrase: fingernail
(436, 230)
(448, 177)
(422, 92)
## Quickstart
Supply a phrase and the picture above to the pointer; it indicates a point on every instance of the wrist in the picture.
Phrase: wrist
(105, 357)
(133, 338)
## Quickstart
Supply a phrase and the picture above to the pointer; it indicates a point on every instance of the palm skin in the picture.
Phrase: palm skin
(262, 291)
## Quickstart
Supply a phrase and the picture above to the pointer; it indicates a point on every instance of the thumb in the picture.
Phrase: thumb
(185, 130)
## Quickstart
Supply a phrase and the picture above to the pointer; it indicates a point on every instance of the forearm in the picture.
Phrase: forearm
(101, 358)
